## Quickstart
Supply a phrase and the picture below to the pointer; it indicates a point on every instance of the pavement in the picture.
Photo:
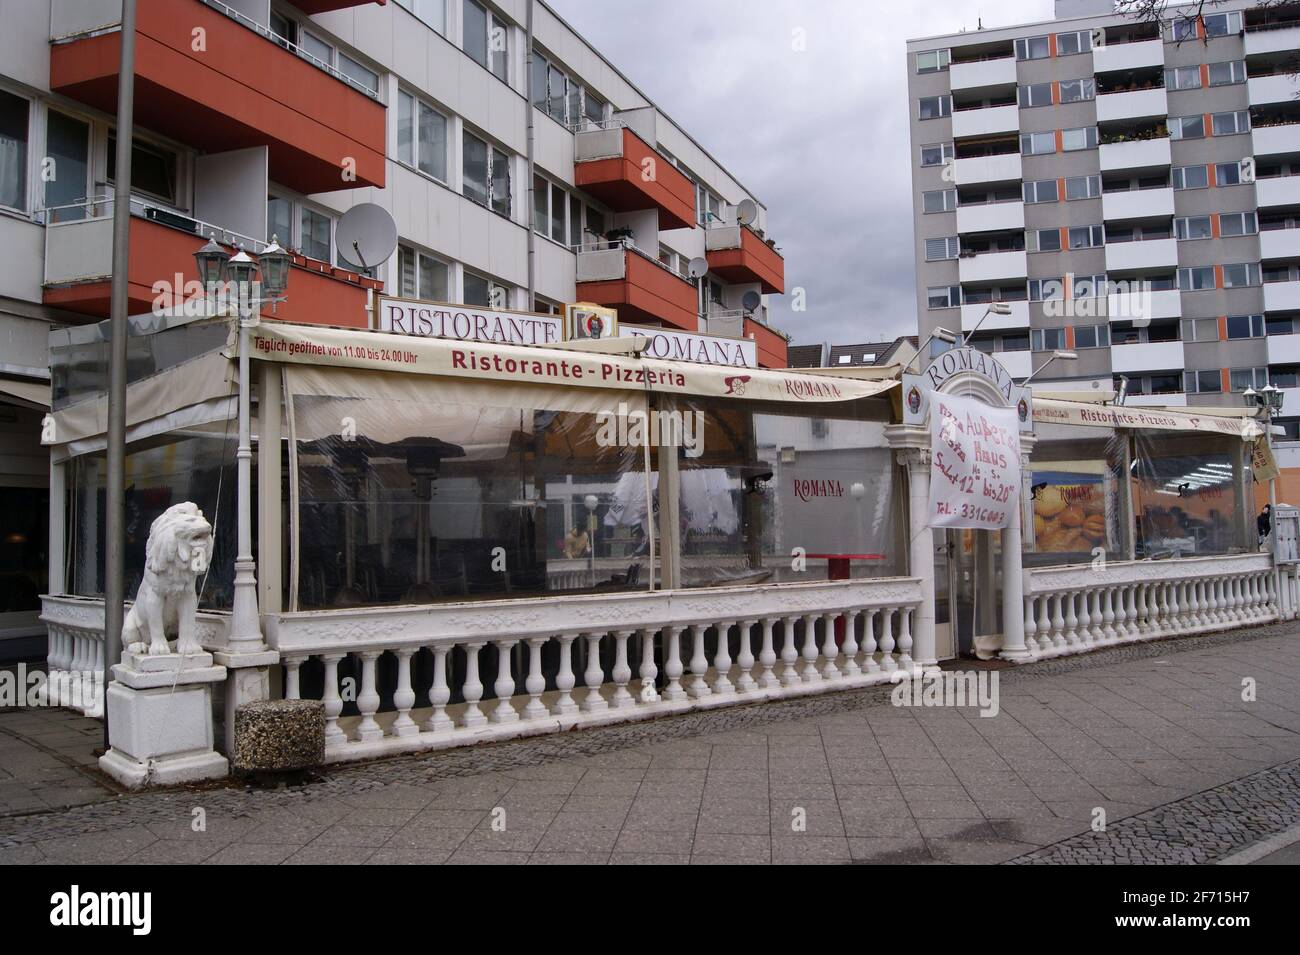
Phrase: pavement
(1182, 751)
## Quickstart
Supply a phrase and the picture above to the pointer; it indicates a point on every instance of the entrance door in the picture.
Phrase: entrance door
(968, 592)
(945, 647)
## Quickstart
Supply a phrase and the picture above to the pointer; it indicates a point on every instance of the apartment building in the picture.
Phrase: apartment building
(1128, 189)
(271, 118)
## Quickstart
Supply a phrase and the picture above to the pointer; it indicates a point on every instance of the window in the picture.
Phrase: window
(421, 136)
(595, 222)
(1222, 24)
(485, 293)
(942, 200)
(1196, 279)
(936, 154)
(1228, 73)
(486, 171)
(1043, 240)
(1032, 48)
(1186, 127)
(575, 221)
(153, 169)
(1015, 343)
(1242, 378)
(1047, 339)
(362, 76)
(1083, 187)
(315, 241)
(556, 92)
(1035, 144)
(1229, 124)
(1086, 237)
(938, 249)
(316, 47)
(593, 107)
(1088, 286)
(1245, 326)
(1238, 223)
(1044, 190)
(1227, 174)
(1092, 336)
(932, 61)
(1190, 177)
(1037, 94)
(1209, 381)
(1042, 290)
(279, 220)
(67, 143)
(943, 297)
(475, 32)
(1241, 275)
(561, 96)
(708, 207)
(934, 107)
(1076, 91)
(1068, 44)
(421, 276)
(1183, 78)
(1193, 227)
(1083, 138)
(432, 12)
(1284, 325)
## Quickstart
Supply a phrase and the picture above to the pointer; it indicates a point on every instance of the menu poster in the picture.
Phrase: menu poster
(974, 463)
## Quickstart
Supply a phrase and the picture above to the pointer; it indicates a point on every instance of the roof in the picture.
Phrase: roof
(866, 353)
(804, 356)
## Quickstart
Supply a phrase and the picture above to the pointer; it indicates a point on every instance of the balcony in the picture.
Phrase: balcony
(1290, 400)
(79, 266)
(643, 291)
(617, 167)
(1137, 204)
(1132, 104)
(1276, 140)
(1273, 39)
(1284, 350)
(982, 74)
(1277, 191)
(738, 255)
(770, 344)
(971, 316)
(1279, 244)
(991, 217)
(993, 267)
(313, 7)
(1146, 356)
(1174, 399)
(1137, 256)
(985, 121)
(1019, 364)
(1128, 56)
(1280, 88)
(1140, 154)
(1281, 296)
(1144, 306)
(245, 90)
(978, 169)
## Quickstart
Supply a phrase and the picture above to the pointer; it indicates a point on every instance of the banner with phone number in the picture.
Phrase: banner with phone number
(974, 463)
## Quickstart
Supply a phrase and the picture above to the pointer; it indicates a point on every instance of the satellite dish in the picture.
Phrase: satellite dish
(698, 267)
(366, 235)
(750, 301)
(746, 211)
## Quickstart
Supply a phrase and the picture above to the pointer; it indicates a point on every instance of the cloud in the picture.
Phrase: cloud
(819, 135)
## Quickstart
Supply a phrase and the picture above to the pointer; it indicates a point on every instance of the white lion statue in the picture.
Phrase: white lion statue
(180, 541)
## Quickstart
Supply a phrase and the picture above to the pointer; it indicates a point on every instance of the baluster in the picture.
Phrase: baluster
(1175, 608)
(699, 687)
(1071, 620)
(1108, 633)
(404, 695)
(648, 672)
(1031, 625)
(622, 672)
(368, 729)
(334, 735)
(472, 689)
(1058, 622)
(722, 660)
(809, 672)
(1044, 623)
(593, 676)
(1084, 631)
(767, 679)
(830, 649)
(292, 685)
(673, 663)
(887, 661)
(1097, 615)
(789, 655)
(905, 638)
(535, 683)
(869, 640)
(1234, 599)
(439, 693)
(1153, 609)
(850, 648)
(1131, 612)
(504, 711)
(564, 680)
(745, 656)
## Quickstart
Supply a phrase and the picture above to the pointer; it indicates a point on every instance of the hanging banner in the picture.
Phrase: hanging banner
(1262, 461)
(974, 463)
(1059, 411)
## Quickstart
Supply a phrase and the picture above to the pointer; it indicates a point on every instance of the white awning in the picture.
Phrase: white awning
(1057, 411)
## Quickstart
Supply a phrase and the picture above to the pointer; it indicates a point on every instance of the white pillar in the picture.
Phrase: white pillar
(1013, 592)
(911, 444)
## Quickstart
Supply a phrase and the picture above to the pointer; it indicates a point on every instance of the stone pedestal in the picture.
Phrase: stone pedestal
(160, 720)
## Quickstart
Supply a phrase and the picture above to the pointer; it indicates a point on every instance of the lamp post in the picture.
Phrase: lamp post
(941, 333)
(995, 308)
(1269, 401)
(1055, 356)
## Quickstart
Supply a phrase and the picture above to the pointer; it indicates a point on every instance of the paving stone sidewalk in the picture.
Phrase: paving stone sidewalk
(1155, 734)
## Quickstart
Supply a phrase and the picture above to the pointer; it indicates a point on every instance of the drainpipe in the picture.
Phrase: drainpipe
(528, 212)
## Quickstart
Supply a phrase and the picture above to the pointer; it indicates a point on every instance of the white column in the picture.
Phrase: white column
(911, 446)
(1013, 592)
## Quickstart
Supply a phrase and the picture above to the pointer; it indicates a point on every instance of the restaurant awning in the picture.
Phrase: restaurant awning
(1058, 411)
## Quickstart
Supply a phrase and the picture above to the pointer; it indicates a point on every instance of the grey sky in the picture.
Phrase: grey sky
(800, 129)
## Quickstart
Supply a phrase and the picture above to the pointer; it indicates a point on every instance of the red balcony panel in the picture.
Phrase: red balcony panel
(647, 294)
(161, 254)
(243, 90)
(636, 178)
(770, 345)
(741, 257)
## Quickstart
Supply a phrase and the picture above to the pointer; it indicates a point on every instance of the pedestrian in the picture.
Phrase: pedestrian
(1264, 523)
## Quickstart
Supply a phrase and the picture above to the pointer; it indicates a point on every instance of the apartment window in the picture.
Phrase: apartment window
(1227, 174)
(1222, 24)
(1187, 127)
(1190, 177)
(1044, 190)
(932, 61)
(595, 222)
(1238, 223)
(1199, 329)
(1042, 290)
(484, 292)
(550, 204)
(1196, 279)
(1245, 326)
(1035, 144)
(486, 172)
(575, 221)
(1086, 237)
(1083, 187)
(1241, 275)
(1239, 379)
(1209, 381)
(1076, 91)
(556, 92)
(593, 107)
(316, 47)
(1046, 339)
(935, 107)
(1043, 240)
(1183, 28)
(153, 169)
(474, 40)
(708, 207)
(67, 143)
(944, 296)
(1229, 124)
(938, 249)
(1084, 137)
(1193, 227)
(1228, 73)
(1279, 326)
(1183, 78)
(1092, 336)
(1037, 94)
(421, 136)
(1068, 44)
(1088, 286)
(315, 238)
(562, 96)
(432, 12)
(362, 76)
(1032, 48)
(421, 276)
(936, 154)
(941, 200)
(279, 220)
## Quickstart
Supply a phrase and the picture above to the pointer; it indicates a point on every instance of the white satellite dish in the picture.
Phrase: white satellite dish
(698, 266)
(751, 301)
(746, 211)
(366, 235)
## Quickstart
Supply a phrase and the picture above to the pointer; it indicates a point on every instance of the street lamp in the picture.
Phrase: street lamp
(1056, 355)
(940, 333)
(995, 308)
(211, 262)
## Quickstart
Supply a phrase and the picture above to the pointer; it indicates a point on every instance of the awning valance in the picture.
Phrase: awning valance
(1056, 411)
